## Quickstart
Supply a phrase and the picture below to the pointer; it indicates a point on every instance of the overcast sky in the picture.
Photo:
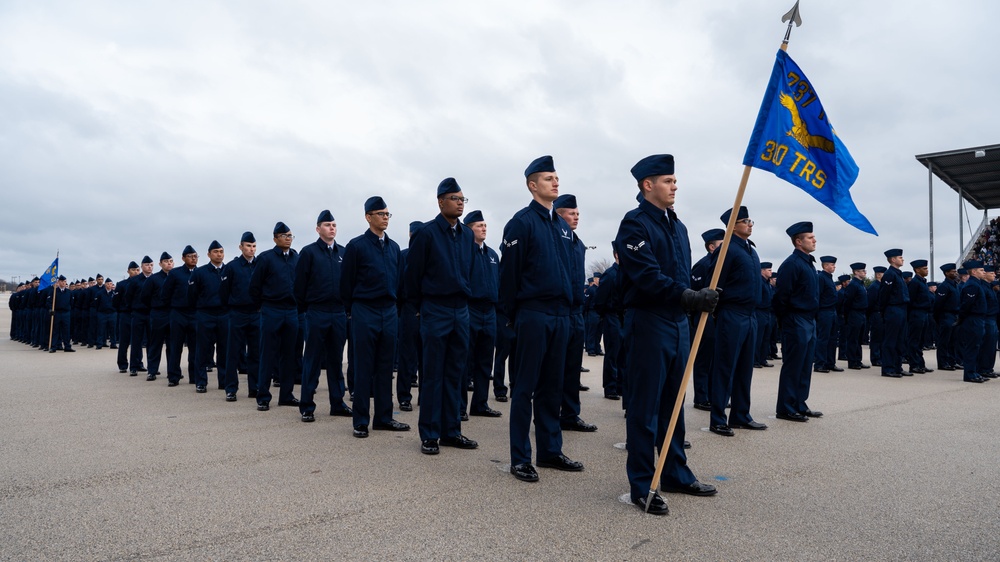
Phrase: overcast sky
(129, 128)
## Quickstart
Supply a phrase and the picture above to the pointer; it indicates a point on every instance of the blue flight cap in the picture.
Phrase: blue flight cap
(918, 263)
(415, 226)
(766, 265)
(989, 268)
(843, 278)
(133, 265)
(447, 185)
(934, 283)
(540, 164)
(325, 216)
(858, 265)
(828, 259)
(566, 201)
(879, 269)
(655, 165)
(947, 267)
(742, 214)
(713, 235)
(963, 271)
(164, 256)
(590, 280)
(280, 228)
(147, 259)
(474, 216)
(597, 275)
(214, 246)
(375, 203)
(907, 274)
(248, 237)
(799, 228)
(188, 250)
(99, 276)
(61, 278)
(893, 253)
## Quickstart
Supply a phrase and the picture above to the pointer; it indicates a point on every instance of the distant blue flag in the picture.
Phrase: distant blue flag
(50, 276)
(793, 139)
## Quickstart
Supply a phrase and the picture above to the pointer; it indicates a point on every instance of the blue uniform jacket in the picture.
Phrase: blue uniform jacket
(484, 279)
(536, 267)
(235, 289)
(437, 265)
(946, 298)
(63, 299)
(608, 299)
(370, 271)
(893, 290)
(740, 279)
(827, 290)
(133, 298)
(654, 256)
(317, 277)
(855, 296)
(203, 290)
(175, 288)
(105, 302)
(273, 280)
(973, 299)
(921, 297)
(150, 295)
(797, 289)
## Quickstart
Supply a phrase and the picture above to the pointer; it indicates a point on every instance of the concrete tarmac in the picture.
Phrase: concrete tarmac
(97, 465)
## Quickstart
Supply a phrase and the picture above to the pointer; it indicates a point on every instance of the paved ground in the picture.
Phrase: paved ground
(98, 465)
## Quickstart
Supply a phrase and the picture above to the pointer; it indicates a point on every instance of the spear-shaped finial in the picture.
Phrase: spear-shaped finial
(791, 17)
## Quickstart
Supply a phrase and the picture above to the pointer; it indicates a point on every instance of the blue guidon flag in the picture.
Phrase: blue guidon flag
(794, 140)
(50, 276)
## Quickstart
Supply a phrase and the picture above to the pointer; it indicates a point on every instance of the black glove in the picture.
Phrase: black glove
(704, 300)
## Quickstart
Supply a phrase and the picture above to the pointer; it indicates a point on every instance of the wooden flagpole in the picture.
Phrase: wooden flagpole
(791, 17)
(52, 313)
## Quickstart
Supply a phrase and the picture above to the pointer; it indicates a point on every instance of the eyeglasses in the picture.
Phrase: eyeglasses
(747, 222)
(457, 198)
(286, 236)
(382, 214)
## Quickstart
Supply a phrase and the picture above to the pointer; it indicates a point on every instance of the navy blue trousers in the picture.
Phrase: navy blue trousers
(444, 334)
(140, 332)
(182, 331)
(125, 331)
(968, 341)
(855, 325)
(876, 335)
(798, 342)
(893, 339)
(244, 339)
(60, 331)
(504, 350)
(612, 376)
(659, 349)
(915, 331)
(213, 332)
(732, 366)
(593, 328)
(570, 409)
(946, 339)
(159, 332)
(409, 352)
(826, 321)
(988, 350)
(702, 374)
(373, 336)
(482, 342)
(326, 335)
(536, 384)
(106, 329)
(762, 348)
(278, 330)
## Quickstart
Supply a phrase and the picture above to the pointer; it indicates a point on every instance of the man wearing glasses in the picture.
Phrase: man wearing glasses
(437, 281)
(369, 280)
(735, 329)
(271, 288)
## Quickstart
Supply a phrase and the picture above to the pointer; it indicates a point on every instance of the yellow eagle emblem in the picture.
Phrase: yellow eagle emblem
(799, 131)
